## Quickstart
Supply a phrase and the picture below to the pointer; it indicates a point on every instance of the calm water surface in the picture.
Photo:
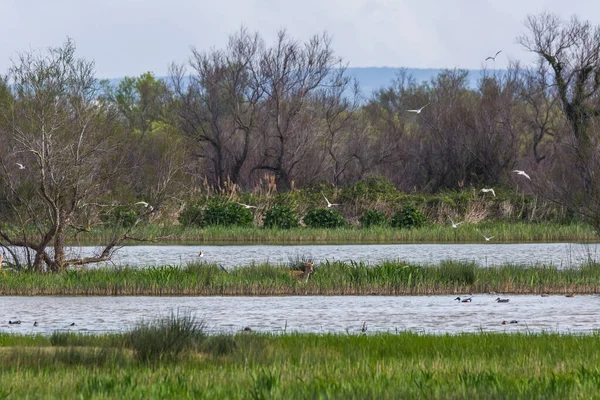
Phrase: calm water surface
(318, 314)
(561, 255)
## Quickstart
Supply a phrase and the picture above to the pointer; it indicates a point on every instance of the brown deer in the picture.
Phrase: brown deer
(302, 276)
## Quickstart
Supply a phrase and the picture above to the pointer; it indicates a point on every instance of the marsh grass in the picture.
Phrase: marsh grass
(165, 338)
(403, 365)
(467, 233)
(393, 277)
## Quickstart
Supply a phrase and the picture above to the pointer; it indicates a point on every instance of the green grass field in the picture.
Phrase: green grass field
(301, 366)
(329, 278)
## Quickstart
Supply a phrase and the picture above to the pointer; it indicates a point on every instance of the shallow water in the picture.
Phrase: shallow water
(561, 255)
(317, 314)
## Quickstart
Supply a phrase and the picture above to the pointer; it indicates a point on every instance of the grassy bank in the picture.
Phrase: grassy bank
(329, 278)
(257, 366)
(466, 233)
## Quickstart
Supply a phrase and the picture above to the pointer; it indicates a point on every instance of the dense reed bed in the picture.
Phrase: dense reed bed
(466, 233)
(294, 366)
(329, 278)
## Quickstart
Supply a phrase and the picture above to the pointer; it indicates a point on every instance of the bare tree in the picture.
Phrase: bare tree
(56, 157)
(289, 73)
(340, 100)
(572, 50)
(217, 105)
(543, 111)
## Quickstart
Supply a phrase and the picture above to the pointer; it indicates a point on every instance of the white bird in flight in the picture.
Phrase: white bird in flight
(245, 205)
(488, 190)
(487, 239)
(21, 166)
(518, 171)
(142, 203)
(494, 58)
(454, 225)
(330, 204)
(419, 110)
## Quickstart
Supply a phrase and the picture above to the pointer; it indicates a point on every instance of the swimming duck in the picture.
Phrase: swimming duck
(514, 321)
(467, 300)
(17, 322)
(570, 295)
(72, 324)
(247, 329)
(545, 294)
(499, 300)
(35, 323)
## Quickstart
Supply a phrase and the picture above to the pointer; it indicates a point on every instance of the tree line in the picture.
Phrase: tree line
(288, 114)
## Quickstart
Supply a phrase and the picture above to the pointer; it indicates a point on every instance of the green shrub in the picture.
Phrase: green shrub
(281, 217)
(121, 216)
(409, 217)
(372, 188)
(373, 218)
(191, 215)
(324, 218)
(215, 213)
(226, 214)
(166, 338)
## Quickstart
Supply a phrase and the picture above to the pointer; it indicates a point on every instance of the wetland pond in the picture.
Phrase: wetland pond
(316, 314)
(323, 314)
(561, 255)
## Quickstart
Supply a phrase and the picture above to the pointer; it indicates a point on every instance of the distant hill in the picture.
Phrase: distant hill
(374, 78)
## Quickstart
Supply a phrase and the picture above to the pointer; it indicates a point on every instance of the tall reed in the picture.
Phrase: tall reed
(392, 277)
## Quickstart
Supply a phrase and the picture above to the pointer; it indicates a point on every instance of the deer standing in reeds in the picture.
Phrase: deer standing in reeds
(303, 275)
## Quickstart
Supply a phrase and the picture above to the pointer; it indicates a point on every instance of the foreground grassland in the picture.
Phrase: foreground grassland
(144, 365)
(329, 278)
(466, 233)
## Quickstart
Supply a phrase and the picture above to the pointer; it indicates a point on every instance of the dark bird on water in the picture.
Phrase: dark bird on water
(499, 300)
(17, 322)
(467, 300)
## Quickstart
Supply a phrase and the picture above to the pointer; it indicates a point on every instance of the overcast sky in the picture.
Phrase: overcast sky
(129, 37)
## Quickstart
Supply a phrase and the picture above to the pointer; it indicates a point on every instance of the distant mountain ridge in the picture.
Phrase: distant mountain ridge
(375, 78)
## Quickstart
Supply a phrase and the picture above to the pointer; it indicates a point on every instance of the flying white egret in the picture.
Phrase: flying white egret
(454, 225)
(419, 110)
(488, 190)
(330, 204)
(494, 58)
(518, 171)
(142, 203)
(487, 239)
(21, 166)
(245, 205)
